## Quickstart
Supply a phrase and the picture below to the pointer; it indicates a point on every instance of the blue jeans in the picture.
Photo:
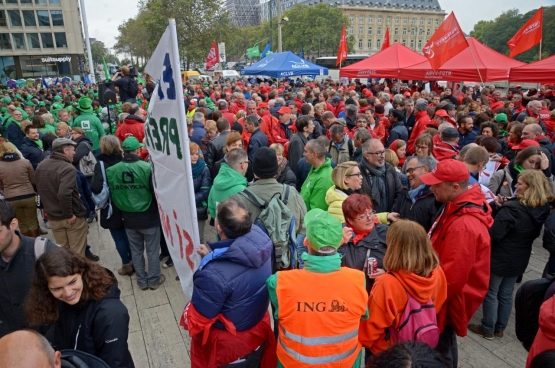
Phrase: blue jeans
(139, 240)
(122, 244)
(301, 248)
(498, 303)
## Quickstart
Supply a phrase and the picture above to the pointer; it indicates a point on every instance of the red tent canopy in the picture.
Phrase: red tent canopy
(493, 66)
(383, 64)
(542, 71)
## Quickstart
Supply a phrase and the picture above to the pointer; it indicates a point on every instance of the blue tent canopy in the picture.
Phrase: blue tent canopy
(283, 65)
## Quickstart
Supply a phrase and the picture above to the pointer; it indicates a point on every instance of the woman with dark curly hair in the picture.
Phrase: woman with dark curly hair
(82, 300)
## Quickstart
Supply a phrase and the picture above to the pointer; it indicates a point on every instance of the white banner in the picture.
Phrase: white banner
(221, 51)
(168, 145)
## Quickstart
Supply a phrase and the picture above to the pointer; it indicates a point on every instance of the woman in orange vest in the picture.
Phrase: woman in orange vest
(319, 308)
(413, 268)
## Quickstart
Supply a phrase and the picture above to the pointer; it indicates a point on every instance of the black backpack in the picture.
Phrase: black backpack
(528, 300)
(132, 88)
(80, 359)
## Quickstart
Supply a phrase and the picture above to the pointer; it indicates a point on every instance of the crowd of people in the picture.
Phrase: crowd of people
(371, 217)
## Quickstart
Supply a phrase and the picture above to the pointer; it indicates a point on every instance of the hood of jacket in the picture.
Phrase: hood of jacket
(547, 319)
(473, 203)
(538, 214)
(421, 288)
(133, 119)
(83, 138)
(250, 250)
(334, 195)
(110, 159)
(227, 178)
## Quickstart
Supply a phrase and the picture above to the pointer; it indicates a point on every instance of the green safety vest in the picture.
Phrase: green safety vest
(129, 184)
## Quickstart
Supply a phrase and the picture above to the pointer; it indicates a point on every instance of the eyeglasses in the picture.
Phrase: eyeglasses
(411, 170)
(421, 147)
(362, 121)
(359, 174)
(379, 153)
(367, 216)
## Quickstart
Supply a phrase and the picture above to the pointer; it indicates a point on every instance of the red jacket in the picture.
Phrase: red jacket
(351, 133)
(385, 124)
(337, 109)
(444, 151)
(235, 108)
(268, 126)
(545, 338)
(133, 126)
(228, 116)
(494, 105)
(461, 240)
(299, 104)
(421, 124)
(212, 347)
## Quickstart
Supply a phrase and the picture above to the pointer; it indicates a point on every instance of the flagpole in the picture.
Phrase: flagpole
(476, 65)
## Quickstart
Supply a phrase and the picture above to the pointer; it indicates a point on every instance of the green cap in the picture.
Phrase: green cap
(42, 103)
(3, 110)
(6, 100)
(90, 92)
(57, 98)
(322, 230)
(501, 118)
(29, 97)
(131, 144)
(30, 104)
(18, 96)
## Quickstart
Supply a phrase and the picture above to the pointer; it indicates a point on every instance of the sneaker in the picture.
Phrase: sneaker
(126, 270)
(162, 279)
(498, 334)
(168, 264)
(477, 329)
(163, 257)
(143, 288)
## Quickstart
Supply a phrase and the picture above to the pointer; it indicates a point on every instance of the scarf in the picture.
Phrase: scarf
(360, 235)
(416, 192)
(375, 182)
(198, 168)
(281, 167)
(38, 142)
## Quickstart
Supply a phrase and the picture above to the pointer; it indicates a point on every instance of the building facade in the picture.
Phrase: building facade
(40, 38)
(243, 13)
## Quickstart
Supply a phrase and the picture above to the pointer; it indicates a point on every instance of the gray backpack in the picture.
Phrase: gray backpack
(87, 163)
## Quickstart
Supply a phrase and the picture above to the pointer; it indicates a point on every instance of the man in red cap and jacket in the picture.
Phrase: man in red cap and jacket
(461, 240)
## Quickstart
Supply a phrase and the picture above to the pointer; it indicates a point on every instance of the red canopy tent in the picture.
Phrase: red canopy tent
(383, 64)
(542, 71)
(493, 66)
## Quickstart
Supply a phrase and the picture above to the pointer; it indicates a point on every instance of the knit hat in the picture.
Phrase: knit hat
(421, 104)
(501, 118)
(322, 230)
(264, 163)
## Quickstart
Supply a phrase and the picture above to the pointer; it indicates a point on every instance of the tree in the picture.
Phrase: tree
(98, 51)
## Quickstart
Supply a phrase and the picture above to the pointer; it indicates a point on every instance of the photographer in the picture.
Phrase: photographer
(127, 85)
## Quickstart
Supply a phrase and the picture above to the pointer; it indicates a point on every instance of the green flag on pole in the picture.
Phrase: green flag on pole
(106, 70)
(253, 52)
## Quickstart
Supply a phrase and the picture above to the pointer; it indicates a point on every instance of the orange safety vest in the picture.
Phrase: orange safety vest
(319, 316)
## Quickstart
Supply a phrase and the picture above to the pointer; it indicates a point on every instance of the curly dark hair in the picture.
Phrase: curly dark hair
(41, 307)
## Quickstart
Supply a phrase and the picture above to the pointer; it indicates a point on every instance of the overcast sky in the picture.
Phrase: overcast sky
(104, 16)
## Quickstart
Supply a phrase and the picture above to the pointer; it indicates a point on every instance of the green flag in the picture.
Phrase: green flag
(140, 80)
(253, 52)
(106, 70)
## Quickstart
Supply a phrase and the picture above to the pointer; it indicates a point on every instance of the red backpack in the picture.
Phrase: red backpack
(418, 322)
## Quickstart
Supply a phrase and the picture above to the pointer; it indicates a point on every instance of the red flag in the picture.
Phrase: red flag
(447, 42)
(213, 58)
(385, 43)
(342, 50)
(528, 35)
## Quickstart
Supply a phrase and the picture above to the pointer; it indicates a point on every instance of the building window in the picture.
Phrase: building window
(15, 18)
(351, 30)
(40, 2)
(57, 18)
(379, 31)
(60, 38)
(360, 31)
(413, 21)
(19, 41)
(429, 21)
(54, 2)
(428, 32)
(405, 20)
(369, 31)
(412, 44)
(30, 2)
(419, 44)
(7, 68)
(3, 20)
(370, 19)
(404, 43)
(351, 18)
(11, 1)
(29, 18)
(388, 20)
(412, 32)
(380, 19)
(47, 40)
(369, 44)
(5, 41)
(421, 21)
(33, 40)
(420, 32)
(396, 40)
(360, 43)
(44, 19)
(396, 20)
(437, 22)
(379, 44)
(404, 31)
(396, 32)
(361, 18)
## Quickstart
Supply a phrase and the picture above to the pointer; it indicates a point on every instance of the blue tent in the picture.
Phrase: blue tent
(283, 65)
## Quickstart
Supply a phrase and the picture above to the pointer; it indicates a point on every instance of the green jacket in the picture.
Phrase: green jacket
(227, 183)
(315, 264)
(316, 185)
(129, 183)
(48, 128)
(92, 126)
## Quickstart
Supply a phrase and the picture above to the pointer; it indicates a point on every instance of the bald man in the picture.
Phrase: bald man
(27, 349)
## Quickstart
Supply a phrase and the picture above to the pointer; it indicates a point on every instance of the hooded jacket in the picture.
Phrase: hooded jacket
(387, 301)
(445, 151)
(422, 121)
(133, 126)
(84, 146)
(461, 240)
(545, 338)
(231, 280)
(514, 229)
(99, 328)
(227, 183)
(316, 185)
(31, 151)
(92, 126)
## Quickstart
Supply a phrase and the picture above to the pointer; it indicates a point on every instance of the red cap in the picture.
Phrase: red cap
(284, 110)
(526, 143)
(262, 105)
(446, 171)
(407, 94)
(442, 113)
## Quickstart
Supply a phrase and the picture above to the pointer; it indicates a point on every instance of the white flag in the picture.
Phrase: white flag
(168, 145)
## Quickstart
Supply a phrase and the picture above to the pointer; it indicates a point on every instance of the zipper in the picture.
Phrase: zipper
(77, 337)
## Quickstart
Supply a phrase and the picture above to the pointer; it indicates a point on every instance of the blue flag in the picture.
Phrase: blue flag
(44, 84)
(265, 51)
(301, 53)
(87, 79)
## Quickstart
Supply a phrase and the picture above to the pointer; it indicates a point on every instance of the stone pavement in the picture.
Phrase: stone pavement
(156, 340)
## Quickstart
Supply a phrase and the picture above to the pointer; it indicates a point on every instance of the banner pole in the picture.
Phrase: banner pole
(476, 65)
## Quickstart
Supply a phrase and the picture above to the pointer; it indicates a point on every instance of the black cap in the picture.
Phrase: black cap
(264, 163)
(449, 133)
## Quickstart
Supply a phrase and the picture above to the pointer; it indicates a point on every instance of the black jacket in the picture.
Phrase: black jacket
(202, 185)
(84, 145)
(423, 210)
(549, 233)
(547, 148)
(397, 131)
(514, 229)
(296, 147)
(392, 186)
(99, 328)
(215, 152)
(115, 221)
(31, 151)
(287, 176)
(357, 155)
(256, 141)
